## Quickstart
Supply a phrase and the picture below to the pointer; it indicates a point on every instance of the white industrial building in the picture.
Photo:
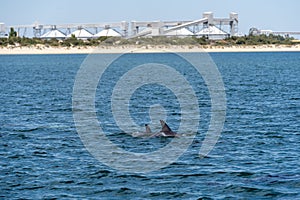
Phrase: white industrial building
(3, 33)
(207, 25)
(183, 32)
(108, 33)
(180, 32)
(81, 33)
(53, 34)
(213, 33)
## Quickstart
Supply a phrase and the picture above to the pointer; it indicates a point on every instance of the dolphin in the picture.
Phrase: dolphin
(165, 131)
(148, 132)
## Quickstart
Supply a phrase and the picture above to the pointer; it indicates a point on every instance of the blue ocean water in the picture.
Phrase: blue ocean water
(257, 156)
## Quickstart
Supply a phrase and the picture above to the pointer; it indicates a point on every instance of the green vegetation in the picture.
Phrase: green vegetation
(159, 40)
(12, 33)
(14, 41)
(259, 40)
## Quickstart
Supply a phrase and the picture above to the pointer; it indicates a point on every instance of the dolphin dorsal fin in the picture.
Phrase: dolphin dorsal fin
(164, 126)
(148, 130)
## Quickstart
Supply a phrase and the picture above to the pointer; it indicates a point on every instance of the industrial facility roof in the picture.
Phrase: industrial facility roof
(180, 32)
(81, 33)
(54, 34)
(211, 30)
(108, 32)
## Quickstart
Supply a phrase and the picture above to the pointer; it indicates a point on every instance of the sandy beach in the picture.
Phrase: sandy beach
(144, 49)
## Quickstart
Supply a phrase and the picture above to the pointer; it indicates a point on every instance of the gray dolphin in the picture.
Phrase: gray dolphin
(165, 131)
(148, 132)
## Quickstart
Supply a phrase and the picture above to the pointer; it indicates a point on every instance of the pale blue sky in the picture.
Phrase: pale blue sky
(276, 15)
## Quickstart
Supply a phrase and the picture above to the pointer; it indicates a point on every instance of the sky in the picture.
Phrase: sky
(276, 15)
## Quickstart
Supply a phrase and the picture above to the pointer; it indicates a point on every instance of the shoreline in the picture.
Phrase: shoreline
(145, 49)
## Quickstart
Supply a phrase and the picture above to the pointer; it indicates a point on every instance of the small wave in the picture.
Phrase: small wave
(168, 195)
(252, 191)
(25, 130)
(40, 153)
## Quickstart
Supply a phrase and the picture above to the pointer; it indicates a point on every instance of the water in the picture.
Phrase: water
(257, 156)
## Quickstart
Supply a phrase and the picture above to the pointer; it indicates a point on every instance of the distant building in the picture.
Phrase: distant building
(180, 32)
(54, 34)
(81, 34)
(213, 33)
(2, 27)
(108, 33)
(3, 34)
(256, 31)
(205, 26)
